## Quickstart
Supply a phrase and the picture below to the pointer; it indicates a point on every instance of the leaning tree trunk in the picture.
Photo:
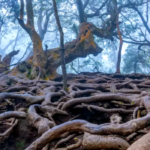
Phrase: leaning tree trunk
(5, 63)
(82, 46)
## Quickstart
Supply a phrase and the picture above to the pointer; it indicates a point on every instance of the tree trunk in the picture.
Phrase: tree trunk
(39, 55)
(62, 47)
(39, 58)
(5, 63)
(120, 37)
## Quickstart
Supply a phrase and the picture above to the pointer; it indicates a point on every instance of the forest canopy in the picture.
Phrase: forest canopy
(99, 14)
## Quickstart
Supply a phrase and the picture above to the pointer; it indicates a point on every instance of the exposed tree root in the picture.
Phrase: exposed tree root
(95, 142)
(64, 140)
(84, 126)
(11, 114)
(40, 123)
(73, 146)
(99, 111)
(142, 144)
(98, 98)
(28, 98)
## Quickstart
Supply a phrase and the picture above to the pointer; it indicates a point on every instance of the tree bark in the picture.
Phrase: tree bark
(5, 63)
(62, 47)
(82, 46)
(82, 16)
(39, 55)
(120, 37)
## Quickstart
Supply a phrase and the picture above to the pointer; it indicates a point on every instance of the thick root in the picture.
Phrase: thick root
(95, 142)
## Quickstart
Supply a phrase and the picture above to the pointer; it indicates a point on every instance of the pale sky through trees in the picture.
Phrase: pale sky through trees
(52, 38)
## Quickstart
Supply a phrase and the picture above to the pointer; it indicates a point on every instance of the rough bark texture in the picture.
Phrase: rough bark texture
(5, 63)
(80, 47)
(39, 55)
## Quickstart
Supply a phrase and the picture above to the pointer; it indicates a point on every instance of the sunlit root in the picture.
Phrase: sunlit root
(95, 142)
(128, 138)
(141, 144)
(131, 136)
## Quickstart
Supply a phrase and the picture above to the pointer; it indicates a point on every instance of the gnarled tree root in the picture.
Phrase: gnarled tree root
(28, 98)
(64, 140)
(40, 123)
(84, 126)
(11, 114)
(95, 142)
(101, 109)
(97, 98)
(73, 146)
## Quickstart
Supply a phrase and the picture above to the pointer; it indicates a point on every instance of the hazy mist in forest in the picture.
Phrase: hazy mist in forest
(14, 37)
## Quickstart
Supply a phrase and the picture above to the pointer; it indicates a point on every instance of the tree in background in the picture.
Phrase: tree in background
(41, 110)
(103, 27)
(136, 60)
(39, 55)
(62, 47)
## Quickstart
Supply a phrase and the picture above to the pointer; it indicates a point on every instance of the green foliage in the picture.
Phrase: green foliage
(130, 27)
(132, 103)
(136, 61)
(29, 73)
(20, 144)
(12, 8)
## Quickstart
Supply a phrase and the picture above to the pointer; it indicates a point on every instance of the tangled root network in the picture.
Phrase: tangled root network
(98, 112)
